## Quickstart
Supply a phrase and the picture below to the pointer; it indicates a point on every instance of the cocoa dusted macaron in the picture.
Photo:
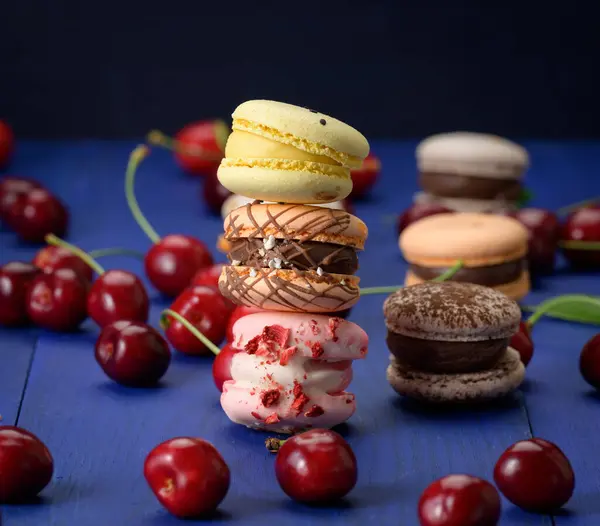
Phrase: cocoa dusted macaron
(492, 248)
(471, 172)
(449, 342)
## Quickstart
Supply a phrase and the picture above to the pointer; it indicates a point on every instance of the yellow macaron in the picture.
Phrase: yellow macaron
(284, 153)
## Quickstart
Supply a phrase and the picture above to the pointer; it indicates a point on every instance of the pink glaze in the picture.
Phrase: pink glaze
(277, 382)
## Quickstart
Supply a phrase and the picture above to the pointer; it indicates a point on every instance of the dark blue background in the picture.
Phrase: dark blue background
(391, 68)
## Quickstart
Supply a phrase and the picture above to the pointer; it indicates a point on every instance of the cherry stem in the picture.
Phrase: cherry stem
(103, 252)
(548, 305)
(164, 324)
(579, 245)
(135, 158)
(158, 138)
(274, 444)
(393, 288)
(51, 239)
(576, 206)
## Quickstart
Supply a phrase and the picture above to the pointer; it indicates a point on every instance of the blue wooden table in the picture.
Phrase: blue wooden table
(100, 433)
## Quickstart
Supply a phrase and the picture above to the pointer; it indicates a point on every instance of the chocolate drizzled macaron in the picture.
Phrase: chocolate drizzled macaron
(493, 250)
(292, 257)
(471, 172)
(449, 342)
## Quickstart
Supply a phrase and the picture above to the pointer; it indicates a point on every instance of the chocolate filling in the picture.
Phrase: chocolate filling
(445, 357)
(292, 254)
(468, 187)
(489, 276)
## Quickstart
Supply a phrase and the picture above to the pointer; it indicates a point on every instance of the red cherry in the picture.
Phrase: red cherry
(544, 230)
(16, 278)
(522, 343)
(37, 213)
(172, 263)
(221, 368)
(239, 312)
(209, 276)
(57, 301)
(7, 143)
(583, 225)
(459, 500)
(535, 475)
(188, 476)
(10, 189)
(205, 309)
(419, 211)
(214, 193)
(118, 295)
(205, 144)
(26, 465)
(51, 258)
(589, 362)
(316, 466)
(132, 353)
(364, 178)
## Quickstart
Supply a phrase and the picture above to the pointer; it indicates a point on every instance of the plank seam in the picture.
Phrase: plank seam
(29, 367)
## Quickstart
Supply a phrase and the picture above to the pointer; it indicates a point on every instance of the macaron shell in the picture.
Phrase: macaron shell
(465, 205)
(286, 181)
(476, 239)
(469, 153)
(236, 201)
(305, 129)
(337, 338)
(505, 377)
(299, 222)
(515, 290)
(288, 290)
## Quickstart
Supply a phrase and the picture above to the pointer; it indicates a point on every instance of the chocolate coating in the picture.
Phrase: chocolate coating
(309, 255)
(438, 356)
(469, 187)
(489, 276)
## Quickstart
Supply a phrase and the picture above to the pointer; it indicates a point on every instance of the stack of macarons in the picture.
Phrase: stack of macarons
(471, 172)
(492, 249)
(297, 260)
(449, 342)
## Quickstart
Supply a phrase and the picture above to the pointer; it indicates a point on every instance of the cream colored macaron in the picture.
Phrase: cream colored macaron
(284, 153)
(236, 201)
(492, 248)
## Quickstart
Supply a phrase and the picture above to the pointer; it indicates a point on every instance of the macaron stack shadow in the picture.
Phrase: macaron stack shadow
(471, 172)
(492, 248)
(449, 343)
(291, 253)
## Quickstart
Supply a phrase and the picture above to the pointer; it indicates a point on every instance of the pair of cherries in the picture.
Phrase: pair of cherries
(31, 210)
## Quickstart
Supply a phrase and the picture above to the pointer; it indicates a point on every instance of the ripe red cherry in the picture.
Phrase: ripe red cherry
(16, 278)
(202, 145)
(221, 368)
(522, 343)
(118, 295)
(57, 301)
(544, 230)
(214, 193)
(419, 211)
(188, 476)
(7, 143)
(239, 312)
(208, 276)
(316, 466)
(535, 475)
(205, 309)
(10, 189)
(132, 353)
(38, 213)
(26, 465)
(172, 262)
(582, 225)
(365, 177)
(459, 500)
(51, 258)
(589, 362)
